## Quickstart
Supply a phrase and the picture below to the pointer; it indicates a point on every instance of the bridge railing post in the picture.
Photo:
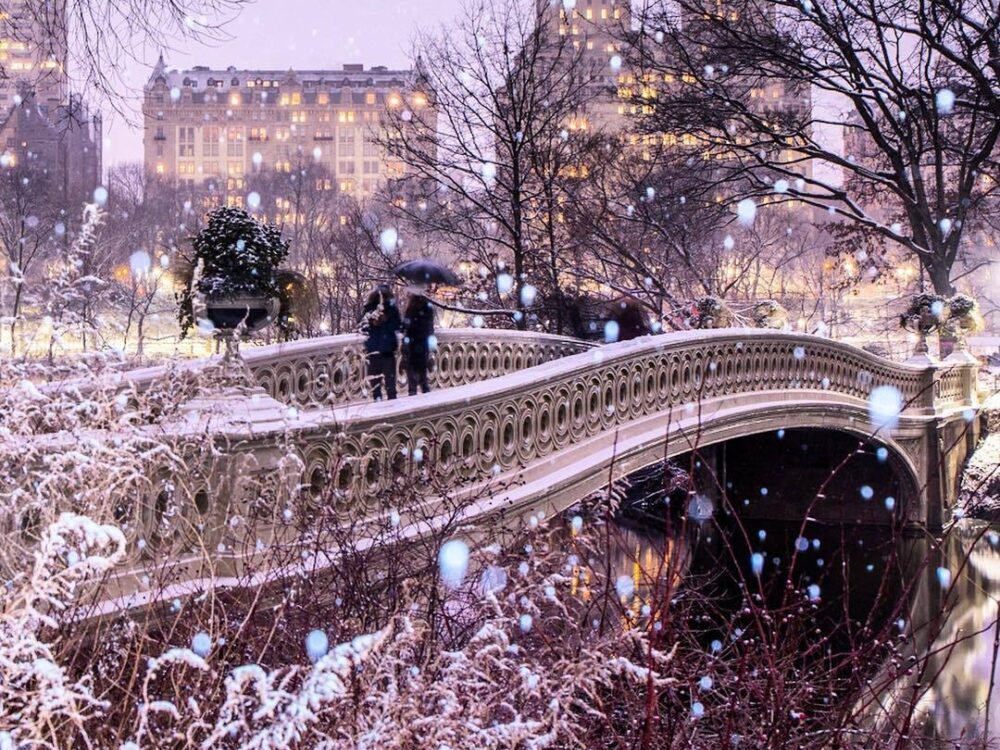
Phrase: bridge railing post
(930, 389)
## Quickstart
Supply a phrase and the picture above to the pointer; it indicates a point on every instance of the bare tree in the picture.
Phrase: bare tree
(347, 264)
(488, 149)
(30, 225)
(658, 231)
(334, 240)
(93, 39)
(914, 85)
(147, 222)
(73, 291)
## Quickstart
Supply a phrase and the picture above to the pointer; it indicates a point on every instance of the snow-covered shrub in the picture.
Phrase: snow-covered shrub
(709, 312)
(40, 699)
(93, 448)
(769, 314)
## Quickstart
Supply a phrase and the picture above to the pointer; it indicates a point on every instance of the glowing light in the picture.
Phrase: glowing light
(201, 644)
(945, 101)
(453, 562)
(746, 211)
(317, 645)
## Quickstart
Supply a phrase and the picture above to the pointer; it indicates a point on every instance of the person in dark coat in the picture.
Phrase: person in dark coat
(379, 322)
(631, 322)
(418, 330)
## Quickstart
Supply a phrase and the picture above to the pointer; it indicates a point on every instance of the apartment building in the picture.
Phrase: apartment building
(206, 127)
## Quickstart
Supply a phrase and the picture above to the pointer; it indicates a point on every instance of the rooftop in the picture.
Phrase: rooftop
(349, 75)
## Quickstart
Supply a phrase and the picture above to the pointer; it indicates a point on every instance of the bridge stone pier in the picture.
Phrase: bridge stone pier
(522, 423)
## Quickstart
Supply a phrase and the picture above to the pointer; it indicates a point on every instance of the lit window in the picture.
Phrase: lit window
(185, 141)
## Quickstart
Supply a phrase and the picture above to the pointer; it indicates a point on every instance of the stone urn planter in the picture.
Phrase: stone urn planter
(924, 315)
(233, 282)
(231, 315)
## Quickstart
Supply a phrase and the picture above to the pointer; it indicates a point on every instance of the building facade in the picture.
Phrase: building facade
(43, 127)
(33, 51)
(596, 30)
(218, 128)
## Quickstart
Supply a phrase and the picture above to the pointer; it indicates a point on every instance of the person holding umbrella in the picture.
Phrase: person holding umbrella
(418, 320)
(379, 322)
(418, 332)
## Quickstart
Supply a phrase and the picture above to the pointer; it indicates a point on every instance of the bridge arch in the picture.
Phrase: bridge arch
(741, 458)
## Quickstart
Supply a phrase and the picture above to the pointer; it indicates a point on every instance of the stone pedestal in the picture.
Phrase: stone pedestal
(922, 356)
(235, 408)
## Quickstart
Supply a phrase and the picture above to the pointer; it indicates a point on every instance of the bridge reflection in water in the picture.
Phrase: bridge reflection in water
(946, 597)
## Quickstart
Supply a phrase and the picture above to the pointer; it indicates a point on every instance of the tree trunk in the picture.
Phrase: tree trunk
(940, 278)
(15, 310)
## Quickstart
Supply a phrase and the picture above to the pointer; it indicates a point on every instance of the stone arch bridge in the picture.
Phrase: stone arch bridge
(525, 422)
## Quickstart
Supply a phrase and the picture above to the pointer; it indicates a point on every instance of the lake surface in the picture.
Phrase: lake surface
(863, 573)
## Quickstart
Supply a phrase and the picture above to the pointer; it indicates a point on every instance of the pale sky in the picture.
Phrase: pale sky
(281, 34)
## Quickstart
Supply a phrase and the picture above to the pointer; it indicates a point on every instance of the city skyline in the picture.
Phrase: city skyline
(270, 35)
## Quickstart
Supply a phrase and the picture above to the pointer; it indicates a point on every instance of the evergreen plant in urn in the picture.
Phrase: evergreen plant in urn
(234, 275)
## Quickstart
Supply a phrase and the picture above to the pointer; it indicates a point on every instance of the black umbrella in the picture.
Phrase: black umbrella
(425, 271)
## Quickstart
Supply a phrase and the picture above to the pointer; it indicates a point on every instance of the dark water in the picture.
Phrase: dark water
(941, 592)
